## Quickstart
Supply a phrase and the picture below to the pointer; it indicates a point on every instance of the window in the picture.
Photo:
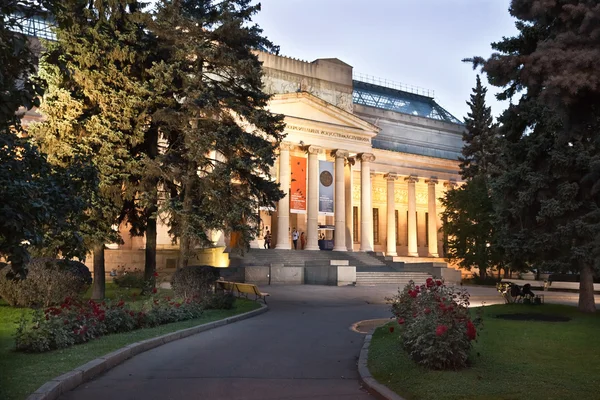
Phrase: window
(397, 237)
(355, 223)
(376, 225)
(427, 229)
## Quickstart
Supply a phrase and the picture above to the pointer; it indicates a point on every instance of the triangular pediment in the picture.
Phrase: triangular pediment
(308, 107)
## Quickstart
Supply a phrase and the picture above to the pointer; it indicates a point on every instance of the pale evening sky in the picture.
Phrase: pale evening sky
(415, 42)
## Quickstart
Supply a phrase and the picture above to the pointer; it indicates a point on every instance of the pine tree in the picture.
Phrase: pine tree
(95, 107)
(479, 137)
(41, 204)
(210, 81)
(547, 193)
(468, 210)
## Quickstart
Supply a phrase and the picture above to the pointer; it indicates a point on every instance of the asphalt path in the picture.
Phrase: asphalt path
(302, 348)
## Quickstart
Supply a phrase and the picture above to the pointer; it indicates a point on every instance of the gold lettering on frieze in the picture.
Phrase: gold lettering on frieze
(380, 195)
(327, 133)
(401, 196)
(356, 193)
(422, 197)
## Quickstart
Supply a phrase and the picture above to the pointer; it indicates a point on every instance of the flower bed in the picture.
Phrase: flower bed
(437, 328)
(76, 321)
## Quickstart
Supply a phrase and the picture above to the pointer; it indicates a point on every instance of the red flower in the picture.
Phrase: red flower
(429, 282)
(400, 321)
(121, 303)
(177, 305)
(428, 310)
(155, 274)
(438, 282)
(440, 330)
(414, 315)
(154, 290)
(413, 293)
(131, 313)
(168, 298)
(471, 331)
(391, 329)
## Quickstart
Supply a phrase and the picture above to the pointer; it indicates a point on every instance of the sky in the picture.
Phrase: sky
(414, 42)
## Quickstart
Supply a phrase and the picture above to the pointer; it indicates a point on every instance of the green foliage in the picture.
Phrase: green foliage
(468, 210)
(78, 321)
(220, 301)
(48, 282)
(130, 279)
(221, 138)
(546, 191)
(437, 328)
(195, 282)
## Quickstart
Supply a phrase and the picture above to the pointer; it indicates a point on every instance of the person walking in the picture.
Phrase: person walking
(302, 240)
(267, 240)
(295, 236)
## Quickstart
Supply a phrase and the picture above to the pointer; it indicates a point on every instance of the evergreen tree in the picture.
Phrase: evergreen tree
(95, 107)
(41, 205)
(211, 83)
(468, 210)
(547, 194)
(479, 137)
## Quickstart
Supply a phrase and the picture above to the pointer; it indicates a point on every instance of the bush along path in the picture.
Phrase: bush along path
(23, 373)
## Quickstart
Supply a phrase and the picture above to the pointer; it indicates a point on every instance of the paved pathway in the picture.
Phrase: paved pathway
(302, 348)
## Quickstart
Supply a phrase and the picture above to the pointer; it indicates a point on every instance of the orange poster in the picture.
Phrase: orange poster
(298, 186)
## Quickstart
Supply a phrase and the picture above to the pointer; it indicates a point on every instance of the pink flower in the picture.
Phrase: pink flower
(440, 330)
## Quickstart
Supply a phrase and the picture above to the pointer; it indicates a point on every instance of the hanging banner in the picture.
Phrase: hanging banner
(298, 186)
(325, 187)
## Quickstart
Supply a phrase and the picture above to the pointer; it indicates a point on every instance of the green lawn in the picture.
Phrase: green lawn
(512, 360)
(21, 374)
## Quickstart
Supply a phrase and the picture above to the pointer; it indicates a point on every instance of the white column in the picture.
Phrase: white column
(366, 209)
(432, 222)
(412, 217)
(349, 208)
(283, 207)
(340, 200)
(312, 239)
(391, 216)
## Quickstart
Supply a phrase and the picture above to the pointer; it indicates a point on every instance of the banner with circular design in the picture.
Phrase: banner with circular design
(326, 187)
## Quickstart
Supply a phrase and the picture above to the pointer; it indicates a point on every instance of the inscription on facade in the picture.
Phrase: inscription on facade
(327, 133)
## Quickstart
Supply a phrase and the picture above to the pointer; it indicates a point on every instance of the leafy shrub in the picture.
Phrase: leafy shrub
(220, 301)
(437, 330)
(194, 282)
(48, 281)
(130, 279)
(76, 321)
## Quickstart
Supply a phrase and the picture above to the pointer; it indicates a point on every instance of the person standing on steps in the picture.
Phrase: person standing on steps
(302, 241)
(267, 240)
(295, 236)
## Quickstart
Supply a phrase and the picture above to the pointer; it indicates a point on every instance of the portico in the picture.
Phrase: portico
(382, 201)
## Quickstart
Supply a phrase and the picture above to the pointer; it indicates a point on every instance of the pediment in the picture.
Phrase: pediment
(305, 106)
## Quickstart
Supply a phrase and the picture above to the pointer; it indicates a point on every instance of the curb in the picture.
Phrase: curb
(375, 388)
(52, 389)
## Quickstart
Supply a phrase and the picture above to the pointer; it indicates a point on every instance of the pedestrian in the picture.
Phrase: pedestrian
(267, 240)
(302, 240)
(295, 236)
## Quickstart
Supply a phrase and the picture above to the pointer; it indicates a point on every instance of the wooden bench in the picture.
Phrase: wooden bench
(243, 289)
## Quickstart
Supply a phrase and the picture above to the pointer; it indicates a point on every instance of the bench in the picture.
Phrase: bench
(243, 289)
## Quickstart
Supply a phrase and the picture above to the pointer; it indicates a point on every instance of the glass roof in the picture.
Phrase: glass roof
(401, 101)
(38, 26)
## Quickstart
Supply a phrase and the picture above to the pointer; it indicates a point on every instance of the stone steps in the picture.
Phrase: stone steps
(303, 258)
(397, 278)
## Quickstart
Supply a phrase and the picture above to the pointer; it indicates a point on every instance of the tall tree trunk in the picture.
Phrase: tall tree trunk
(150, 253)
(151, 215)
(98, 288)
(586, 289)
(482, 274)
(185, 238)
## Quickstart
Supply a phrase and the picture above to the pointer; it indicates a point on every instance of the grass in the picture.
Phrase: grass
(21, 373)
(511, 360)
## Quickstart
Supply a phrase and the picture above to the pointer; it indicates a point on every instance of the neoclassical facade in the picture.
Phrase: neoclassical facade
(394, 152)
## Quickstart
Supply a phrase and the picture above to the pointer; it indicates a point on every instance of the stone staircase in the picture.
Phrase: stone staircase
(390, 278)
(295, 258)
